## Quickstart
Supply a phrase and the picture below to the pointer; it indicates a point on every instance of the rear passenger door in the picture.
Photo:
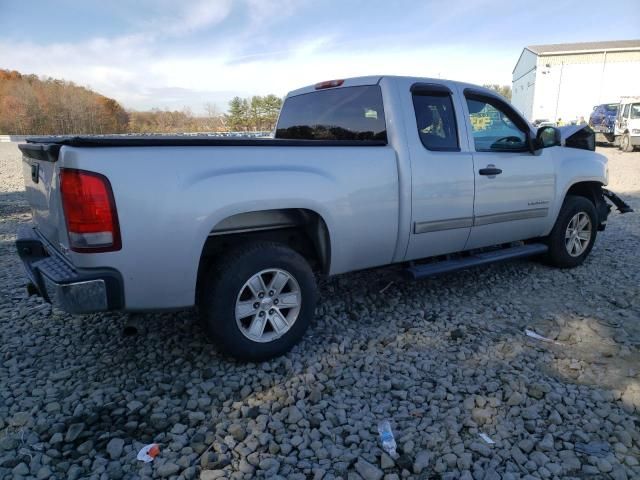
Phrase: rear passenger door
(441, 171)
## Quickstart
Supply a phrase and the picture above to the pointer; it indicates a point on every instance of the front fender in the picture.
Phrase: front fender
(574, 167)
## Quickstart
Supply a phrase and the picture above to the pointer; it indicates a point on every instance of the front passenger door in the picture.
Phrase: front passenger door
(514, 188)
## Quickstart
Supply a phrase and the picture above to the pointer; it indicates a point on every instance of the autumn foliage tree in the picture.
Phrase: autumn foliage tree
(30, 105)
(33, 106)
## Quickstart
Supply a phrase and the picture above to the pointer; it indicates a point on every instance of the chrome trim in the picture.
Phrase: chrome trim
(78, 297)
(466, 222)
(438, 225)
(510, 216)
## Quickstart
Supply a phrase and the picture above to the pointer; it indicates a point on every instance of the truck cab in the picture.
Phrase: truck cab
(627, 124)
(602, 120)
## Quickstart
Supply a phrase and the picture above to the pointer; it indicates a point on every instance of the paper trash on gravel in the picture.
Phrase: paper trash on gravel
(486, 438)
(148, 452)
(537, 336)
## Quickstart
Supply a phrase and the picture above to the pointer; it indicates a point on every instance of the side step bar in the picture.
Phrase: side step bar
(436, 268)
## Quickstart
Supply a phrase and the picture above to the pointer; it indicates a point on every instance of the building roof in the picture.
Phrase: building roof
(560, 48)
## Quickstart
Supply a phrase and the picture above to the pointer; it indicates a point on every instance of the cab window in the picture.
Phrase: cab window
(436, 121)
(345, 113)
(493, 126)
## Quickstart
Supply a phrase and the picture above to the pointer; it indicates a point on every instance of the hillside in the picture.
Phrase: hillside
(30, 105)
(42, 106)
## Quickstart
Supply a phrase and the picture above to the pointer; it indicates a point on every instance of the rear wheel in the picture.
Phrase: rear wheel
(258, 301)
(625, 143)
(574, 233)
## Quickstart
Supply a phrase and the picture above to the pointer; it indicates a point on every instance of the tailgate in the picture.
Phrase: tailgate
(41, 185)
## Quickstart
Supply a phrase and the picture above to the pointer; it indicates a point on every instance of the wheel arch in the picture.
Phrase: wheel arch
(302, 229)
(591, 190)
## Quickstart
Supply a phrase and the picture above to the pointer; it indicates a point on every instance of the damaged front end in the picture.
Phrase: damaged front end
(578, 136)
(621, 205)
(603, 208)
(583, 137)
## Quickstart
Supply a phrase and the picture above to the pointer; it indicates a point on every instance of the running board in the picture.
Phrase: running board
(436, 268)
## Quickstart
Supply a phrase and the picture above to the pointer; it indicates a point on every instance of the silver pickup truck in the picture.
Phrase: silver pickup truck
(363, 172)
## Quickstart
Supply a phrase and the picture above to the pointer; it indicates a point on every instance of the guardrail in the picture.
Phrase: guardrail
(22, 138)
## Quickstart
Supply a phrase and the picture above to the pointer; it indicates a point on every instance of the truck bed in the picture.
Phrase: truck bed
(47, 148)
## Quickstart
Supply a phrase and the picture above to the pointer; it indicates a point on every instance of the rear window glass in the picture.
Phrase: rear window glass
(348, 113)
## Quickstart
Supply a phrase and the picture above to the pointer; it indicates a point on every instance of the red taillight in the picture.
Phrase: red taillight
(90, 211)
(329, 84)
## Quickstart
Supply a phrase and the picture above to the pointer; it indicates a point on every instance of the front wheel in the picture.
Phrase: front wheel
(574, 233)
(258, 301)
(625, 143)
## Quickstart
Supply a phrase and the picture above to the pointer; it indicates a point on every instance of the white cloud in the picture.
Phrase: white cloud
(137, 71)
(190, 16)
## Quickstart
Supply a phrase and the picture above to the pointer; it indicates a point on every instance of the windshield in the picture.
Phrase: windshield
(348, 113)
(635, 110)
(611, 108)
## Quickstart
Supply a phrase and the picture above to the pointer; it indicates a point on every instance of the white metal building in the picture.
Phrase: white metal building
(566, 80)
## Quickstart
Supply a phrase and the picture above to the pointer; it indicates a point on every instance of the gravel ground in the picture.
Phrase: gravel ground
(443, 359)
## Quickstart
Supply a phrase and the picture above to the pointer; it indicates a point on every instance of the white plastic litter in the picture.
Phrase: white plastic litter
(387, 439)
(537, 336)
(148, 452)
(385, 288)
(486, 438)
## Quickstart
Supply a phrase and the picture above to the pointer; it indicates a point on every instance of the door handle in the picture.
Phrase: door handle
(490, 170)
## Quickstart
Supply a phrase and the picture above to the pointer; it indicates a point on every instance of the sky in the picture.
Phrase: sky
(190, 53)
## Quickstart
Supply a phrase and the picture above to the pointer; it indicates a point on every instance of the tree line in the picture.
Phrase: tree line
(504, 90)
(256, 113)
(30, 105)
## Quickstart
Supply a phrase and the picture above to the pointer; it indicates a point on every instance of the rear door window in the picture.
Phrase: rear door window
(345, 113)
(436, 121)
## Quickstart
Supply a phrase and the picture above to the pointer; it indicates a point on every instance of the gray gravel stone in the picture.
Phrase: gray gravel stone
(114, 448)
(85, 447)
(421, 461)
(295, 415)
(73, 432)
(167, 469)
(386, 461)
(436, 358)
(367, 470)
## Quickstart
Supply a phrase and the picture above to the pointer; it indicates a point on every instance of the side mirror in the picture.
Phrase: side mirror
(546, 137)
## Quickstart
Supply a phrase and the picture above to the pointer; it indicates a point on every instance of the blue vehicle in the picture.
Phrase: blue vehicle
(602, 120)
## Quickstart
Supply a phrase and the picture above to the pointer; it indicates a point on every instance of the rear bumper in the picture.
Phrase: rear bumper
(68, 288)
(603, 129)
(605, 137)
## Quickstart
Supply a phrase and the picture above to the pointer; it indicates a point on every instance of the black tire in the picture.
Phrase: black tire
(625, 143)
(558, 254)
(222, 287)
